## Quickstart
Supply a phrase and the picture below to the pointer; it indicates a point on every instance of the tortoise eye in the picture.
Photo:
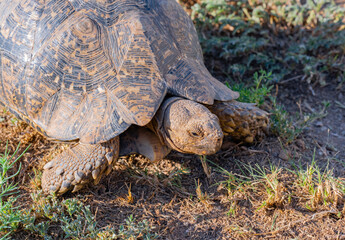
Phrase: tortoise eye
(85, 25)
(196, 133)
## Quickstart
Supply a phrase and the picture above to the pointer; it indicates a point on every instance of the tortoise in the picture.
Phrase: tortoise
(87, 70)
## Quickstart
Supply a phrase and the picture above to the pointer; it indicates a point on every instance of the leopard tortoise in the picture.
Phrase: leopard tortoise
(87, 70)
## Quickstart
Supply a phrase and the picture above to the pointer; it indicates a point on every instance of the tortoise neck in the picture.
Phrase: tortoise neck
(157, 123)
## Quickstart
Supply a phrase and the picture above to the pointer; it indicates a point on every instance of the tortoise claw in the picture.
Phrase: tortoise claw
(77, 187)
(95, 173)
(48, 165)
(52, 189)
(108, 170)
(78, 177)
(110, 157)
(65, 186)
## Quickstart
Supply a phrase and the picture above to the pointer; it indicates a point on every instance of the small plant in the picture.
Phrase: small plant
(166, 177)
(233, 182)
(282, 123)
(202, 197)
(75, 219)
(135, 230)
(11, 214)
(258, 92)
(268, 180)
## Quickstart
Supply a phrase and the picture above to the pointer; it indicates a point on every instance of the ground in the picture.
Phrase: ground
(271, 189)
(181, 212)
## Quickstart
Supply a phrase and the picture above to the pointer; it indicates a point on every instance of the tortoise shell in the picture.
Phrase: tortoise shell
(88, 69)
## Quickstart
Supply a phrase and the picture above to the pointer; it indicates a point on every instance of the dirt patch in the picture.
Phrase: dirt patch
(328, 132)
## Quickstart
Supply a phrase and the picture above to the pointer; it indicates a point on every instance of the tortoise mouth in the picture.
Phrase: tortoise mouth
(206, 146)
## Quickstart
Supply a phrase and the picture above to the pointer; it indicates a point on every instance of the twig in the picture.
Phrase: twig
(205, 166)
(289, 79)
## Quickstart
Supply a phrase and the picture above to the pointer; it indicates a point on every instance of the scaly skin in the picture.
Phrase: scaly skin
(242, 121)
(143, 141)
(79, 165)
(187, 126)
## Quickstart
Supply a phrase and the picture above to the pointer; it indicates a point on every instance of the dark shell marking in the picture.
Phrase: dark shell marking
(88, 69)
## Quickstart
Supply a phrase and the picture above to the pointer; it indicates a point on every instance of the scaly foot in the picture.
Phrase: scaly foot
(79, 165)
(242, 121)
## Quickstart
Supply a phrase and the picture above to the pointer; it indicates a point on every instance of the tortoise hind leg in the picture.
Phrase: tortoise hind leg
(241, 121)
(79, 165)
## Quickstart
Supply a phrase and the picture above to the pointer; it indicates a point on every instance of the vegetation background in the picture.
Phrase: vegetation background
(285, 56)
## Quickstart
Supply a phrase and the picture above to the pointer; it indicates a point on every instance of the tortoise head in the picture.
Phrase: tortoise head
(189, 127)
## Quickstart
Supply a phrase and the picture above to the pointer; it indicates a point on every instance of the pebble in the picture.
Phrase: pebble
(284, 154)
(300, 143)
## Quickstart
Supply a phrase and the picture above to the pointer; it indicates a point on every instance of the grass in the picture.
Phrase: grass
(274, 187)
(287, 127)
(11, 214)
(318, 186)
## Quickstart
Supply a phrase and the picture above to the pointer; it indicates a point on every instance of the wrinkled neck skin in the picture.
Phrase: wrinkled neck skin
(187, 126)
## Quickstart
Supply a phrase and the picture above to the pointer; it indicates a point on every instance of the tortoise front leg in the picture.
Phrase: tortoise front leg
(78, 165)
(242, 121)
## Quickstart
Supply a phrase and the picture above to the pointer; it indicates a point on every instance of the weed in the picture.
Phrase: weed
(256, 180)
(75, 219)
(11, 215)
(234, 185)
(166, 177)
(233, 182)
(258, 92)
(282, 124)
(318, 186)
(135, 230)
(269, 181)
(201, 196)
